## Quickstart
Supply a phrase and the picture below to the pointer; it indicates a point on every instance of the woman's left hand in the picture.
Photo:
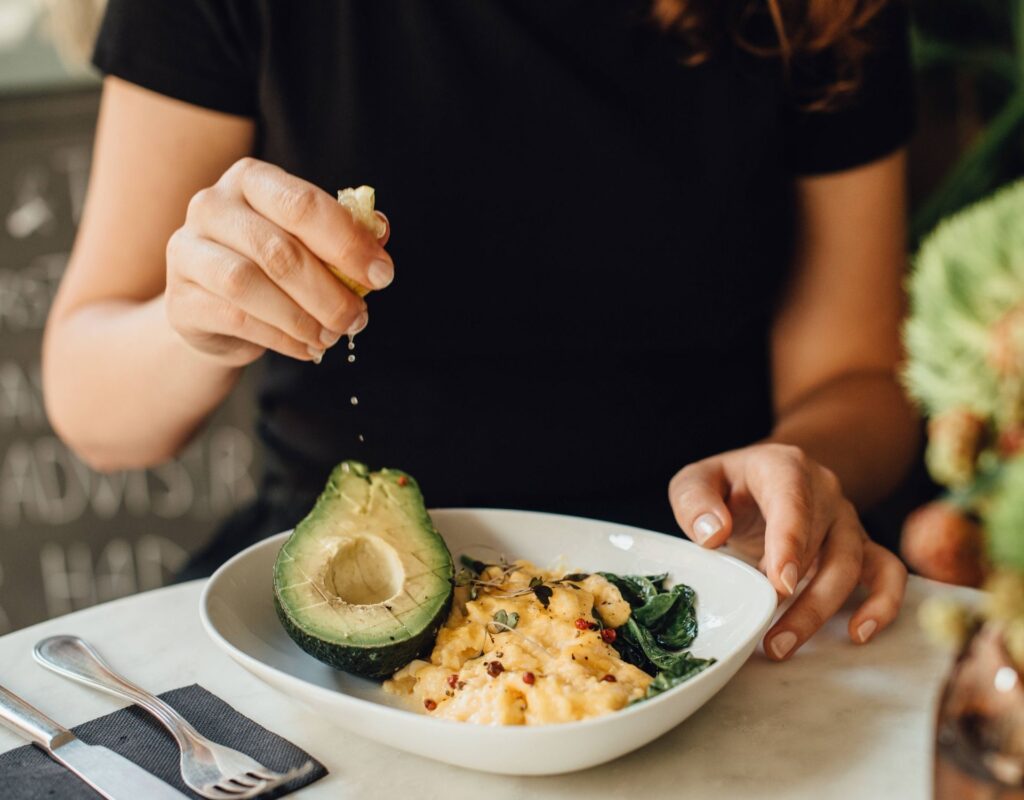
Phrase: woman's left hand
(774, 502)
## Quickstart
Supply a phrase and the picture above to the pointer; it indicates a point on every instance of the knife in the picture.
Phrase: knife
(113, 776)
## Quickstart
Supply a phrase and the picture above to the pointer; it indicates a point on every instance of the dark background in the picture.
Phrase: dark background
(70, 537)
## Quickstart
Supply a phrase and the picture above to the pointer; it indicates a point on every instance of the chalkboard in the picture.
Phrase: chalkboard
(70, 537)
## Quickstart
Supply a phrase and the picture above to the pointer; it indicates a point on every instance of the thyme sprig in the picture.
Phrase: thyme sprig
(505, 619)
(541, 589)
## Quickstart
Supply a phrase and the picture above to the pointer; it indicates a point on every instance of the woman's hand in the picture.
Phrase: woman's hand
(773, 502)
(246, 272)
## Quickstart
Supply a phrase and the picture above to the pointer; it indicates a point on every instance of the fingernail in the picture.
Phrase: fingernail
(382, 226)
(706, 526)
(329, 338)
(866, 629)
(359, 324)
(789, 576)
(380, 273)
(782, 644)
(316, 355)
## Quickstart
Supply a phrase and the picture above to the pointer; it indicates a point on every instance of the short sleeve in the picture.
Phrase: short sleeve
(201, 51)
(875, 121)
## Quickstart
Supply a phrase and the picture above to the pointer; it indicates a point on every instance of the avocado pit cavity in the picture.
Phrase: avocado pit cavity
(363, 571)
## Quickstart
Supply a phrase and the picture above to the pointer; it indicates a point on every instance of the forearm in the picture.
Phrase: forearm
(122, 388)
(861, 426)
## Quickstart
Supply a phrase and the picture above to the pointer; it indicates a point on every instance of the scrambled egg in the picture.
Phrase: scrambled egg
(554, 665)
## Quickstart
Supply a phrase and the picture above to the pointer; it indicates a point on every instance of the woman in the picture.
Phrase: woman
(631, 239)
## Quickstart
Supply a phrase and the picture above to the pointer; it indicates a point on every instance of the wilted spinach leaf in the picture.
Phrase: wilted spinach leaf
(662, 623)
(632, 654)
(685, 670)
(658, 581)
(636, 589)
(660, 657)
(654, 612)
(679, 629)
(671, 616)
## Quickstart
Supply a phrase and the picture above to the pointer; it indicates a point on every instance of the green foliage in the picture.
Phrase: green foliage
(1004, 518)
(965, 346)
(506, 620)
(636, 589)
(967, 276)
(671, 617)
(662, 623)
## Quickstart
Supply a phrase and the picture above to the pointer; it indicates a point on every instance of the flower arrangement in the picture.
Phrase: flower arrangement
(965, 368)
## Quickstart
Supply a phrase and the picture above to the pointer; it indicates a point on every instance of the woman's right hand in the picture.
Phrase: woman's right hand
(246, 272)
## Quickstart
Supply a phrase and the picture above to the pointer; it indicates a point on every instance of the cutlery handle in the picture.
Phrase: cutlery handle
(76, 659)
(29, 721)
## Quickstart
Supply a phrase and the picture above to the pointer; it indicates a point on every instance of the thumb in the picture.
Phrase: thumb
(697, 494)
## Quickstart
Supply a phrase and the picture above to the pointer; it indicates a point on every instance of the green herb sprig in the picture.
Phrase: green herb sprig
(505, 619)
(470, 576)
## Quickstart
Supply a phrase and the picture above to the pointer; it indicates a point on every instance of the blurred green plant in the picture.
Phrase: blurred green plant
(978, 44)
(965, 365)
(965, 331)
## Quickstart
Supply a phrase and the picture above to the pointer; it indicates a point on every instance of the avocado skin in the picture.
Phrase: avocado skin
(379, 662)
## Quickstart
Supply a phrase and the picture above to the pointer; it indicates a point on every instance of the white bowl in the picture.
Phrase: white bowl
(735, 604)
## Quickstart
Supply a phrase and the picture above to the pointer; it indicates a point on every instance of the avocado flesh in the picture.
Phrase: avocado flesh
(365, 580)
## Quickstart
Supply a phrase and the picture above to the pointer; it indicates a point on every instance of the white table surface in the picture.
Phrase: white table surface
(838, 721)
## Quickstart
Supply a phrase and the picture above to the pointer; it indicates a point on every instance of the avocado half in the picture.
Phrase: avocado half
(365, 580)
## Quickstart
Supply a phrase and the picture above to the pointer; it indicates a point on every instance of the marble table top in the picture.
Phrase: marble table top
(838, 721)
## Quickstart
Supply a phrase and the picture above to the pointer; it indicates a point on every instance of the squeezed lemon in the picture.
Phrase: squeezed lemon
(359, 201)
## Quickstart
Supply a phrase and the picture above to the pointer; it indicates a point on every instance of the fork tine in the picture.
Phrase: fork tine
(281, 777)
(272, 780)
(245, 781)
(253, 783)
(216, 793)
(255, 792)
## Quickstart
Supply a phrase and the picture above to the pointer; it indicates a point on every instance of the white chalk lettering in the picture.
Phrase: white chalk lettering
(231, 460)
(157, 559)
(5, 622)
(74, 163)
(73, 580)
(43, 482)
(69, 582)
(26, 294)
(115, 571)
(21, 399)
(32, 211)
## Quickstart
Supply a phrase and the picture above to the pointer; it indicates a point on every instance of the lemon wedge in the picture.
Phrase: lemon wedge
(359, 201)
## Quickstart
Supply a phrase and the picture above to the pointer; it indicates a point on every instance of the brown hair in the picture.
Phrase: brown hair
(830, 34)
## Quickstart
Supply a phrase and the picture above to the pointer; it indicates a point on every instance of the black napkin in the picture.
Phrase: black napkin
(27, 773)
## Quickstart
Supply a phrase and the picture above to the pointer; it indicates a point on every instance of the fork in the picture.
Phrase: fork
(208, 768)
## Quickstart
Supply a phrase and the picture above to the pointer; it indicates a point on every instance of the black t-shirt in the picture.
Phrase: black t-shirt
(590, 237)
